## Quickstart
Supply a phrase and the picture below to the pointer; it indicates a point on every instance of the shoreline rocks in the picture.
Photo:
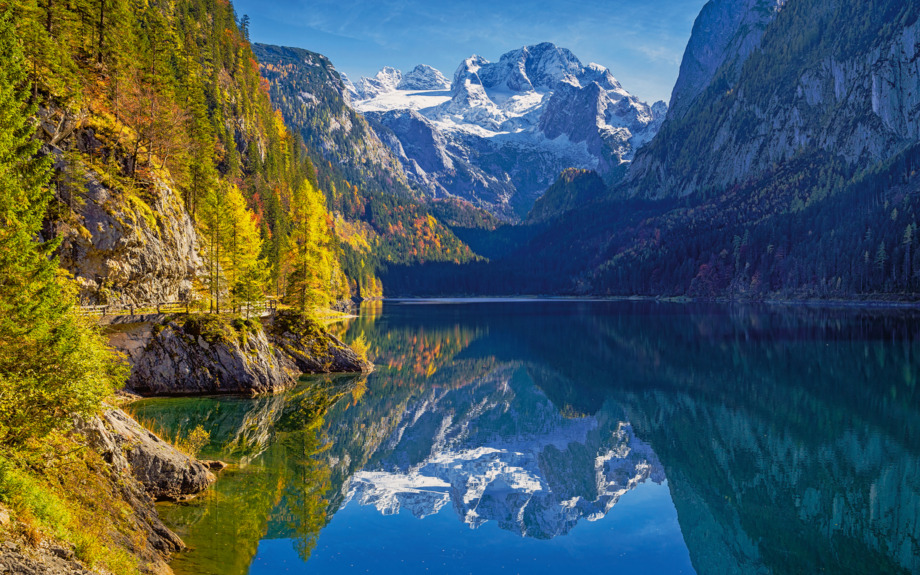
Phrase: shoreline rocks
(166, 473)
(311, 348)
(208, 354)
(142, 469)
(204, 354)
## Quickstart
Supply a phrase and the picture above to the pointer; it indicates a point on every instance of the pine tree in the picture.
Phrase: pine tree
(51, 363)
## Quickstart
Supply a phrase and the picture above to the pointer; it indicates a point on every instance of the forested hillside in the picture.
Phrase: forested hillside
(380, 218)
(792, 175)
(141, 162)
(167, 148)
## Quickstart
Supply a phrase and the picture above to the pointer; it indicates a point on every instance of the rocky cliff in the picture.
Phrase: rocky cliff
(207, 355)
(313, 97)
(724, 34)
(310, 347)
(796, 91)
(164, 471)
(138, 468)
(125, 242)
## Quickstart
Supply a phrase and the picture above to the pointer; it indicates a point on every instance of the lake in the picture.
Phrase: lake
(565, 436)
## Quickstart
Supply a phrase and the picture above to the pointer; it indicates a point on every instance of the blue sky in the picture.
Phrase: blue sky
(641, 41)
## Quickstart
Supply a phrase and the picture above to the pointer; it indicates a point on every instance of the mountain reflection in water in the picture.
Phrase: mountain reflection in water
(779, 440)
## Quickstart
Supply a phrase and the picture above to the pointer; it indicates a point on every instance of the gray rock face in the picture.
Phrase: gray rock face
(44, 560)
(205, 355)
(724, 31)
(860, 105)
(526, 69)
(180, 359)
(576, 112)
(440, 163)
(163, 470)
(121, 442)
(383, 82)
(129, 250)
(314, 99)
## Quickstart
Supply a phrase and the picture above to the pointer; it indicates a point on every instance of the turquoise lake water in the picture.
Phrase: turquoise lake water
(565, 436)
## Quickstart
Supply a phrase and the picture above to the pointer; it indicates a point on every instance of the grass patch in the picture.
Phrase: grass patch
(297, 323)
(212, 328)
(71, 499)
(217, 329)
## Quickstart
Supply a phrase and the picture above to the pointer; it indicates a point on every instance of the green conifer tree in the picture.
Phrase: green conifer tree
(51, 363)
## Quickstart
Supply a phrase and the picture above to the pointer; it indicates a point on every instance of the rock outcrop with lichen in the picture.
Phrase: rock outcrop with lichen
(129, 247)
(206, 354)
(164, 471)
(311, 348)
(127, 241)
(126, 446)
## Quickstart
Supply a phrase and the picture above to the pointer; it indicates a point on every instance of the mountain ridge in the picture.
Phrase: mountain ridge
(505, 130)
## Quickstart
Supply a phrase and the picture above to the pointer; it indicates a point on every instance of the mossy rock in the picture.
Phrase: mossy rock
(297, 323)
(311, 348)
(211, 328)
(246, 325)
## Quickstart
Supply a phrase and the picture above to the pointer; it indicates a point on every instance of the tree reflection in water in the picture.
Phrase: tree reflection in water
(790, 437)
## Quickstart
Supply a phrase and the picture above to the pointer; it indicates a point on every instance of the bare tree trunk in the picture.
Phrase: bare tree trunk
(101, 31)
(49, 6)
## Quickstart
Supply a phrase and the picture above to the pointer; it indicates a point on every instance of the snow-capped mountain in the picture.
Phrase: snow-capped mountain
(389, 80)
(499, 450)
(384, 82)
(504, 131)
(424, 77)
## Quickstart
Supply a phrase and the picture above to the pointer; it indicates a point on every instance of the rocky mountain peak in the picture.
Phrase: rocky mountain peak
(424, 77)
(538, 109)
(385, 81)
(468, 70)
(726, 32)
(525, 69)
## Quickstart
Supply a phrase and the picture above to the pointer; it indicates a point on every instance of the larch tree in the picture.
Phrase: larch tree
(310, 256)
(231, 245)
(213, 223)
(244, 270)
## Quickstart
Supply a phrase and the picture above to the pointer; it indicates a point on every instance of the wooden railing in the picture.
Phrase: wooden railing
(264, 307)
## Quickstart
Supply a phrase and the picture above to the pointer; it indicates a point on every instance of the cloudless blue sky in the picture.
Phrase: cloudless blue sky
(641, 41)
